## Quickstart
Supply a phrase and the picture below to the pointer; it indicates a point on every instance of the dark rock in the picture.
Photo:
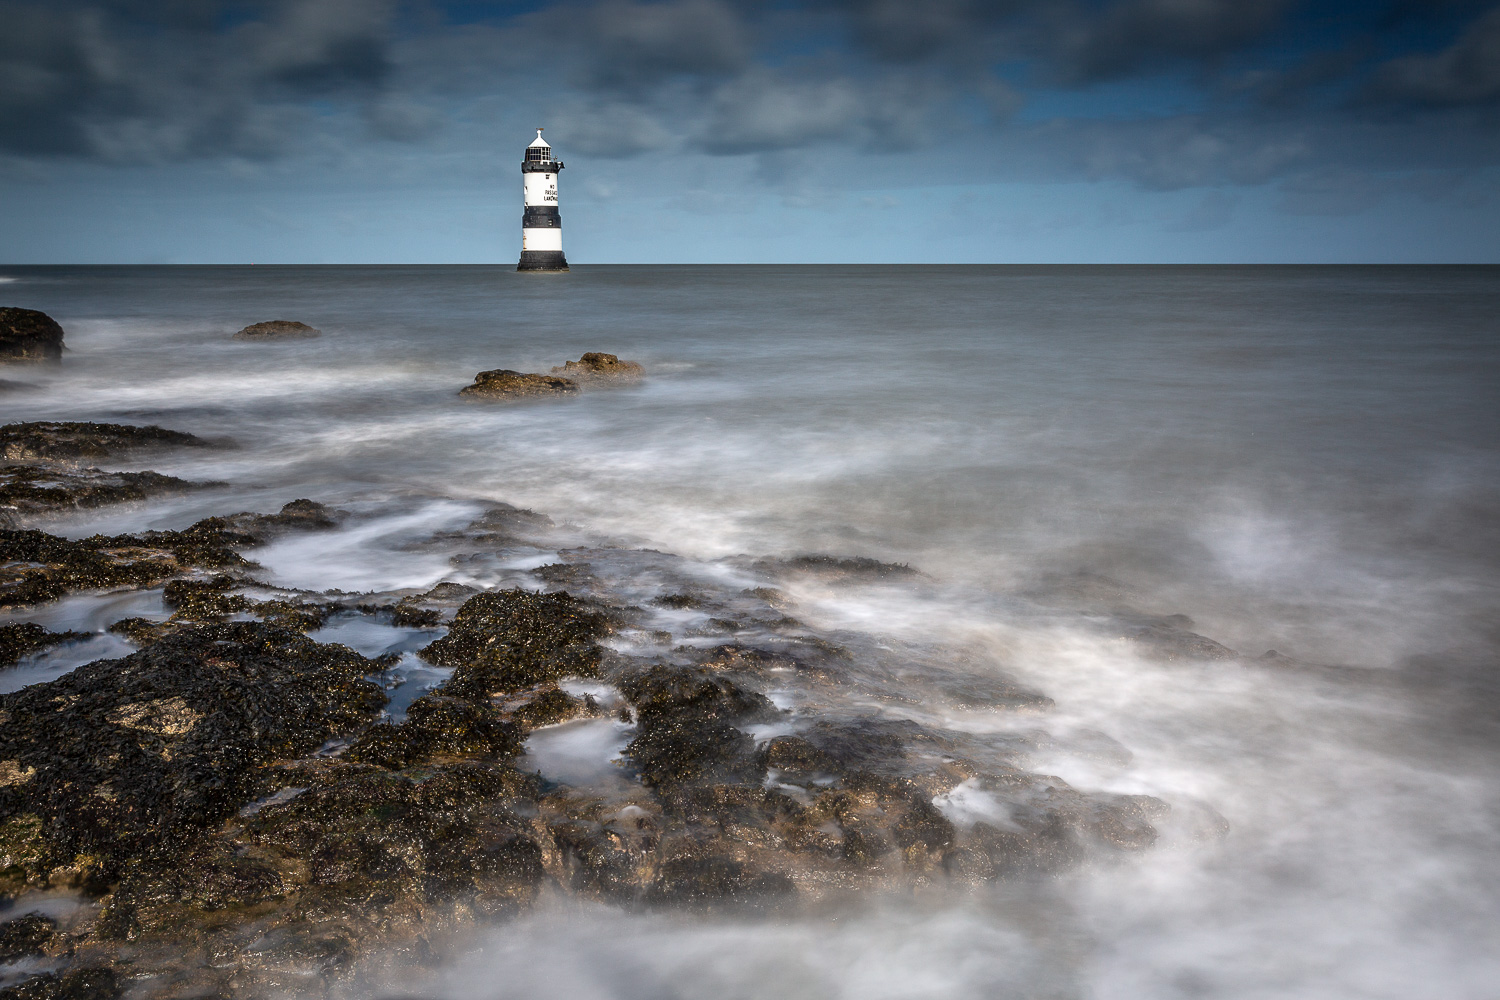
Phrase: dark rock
(23, 638)
(513, 639)
(29, 335)
(30, 489)
(836, 568)
(1169, 639)
(685, 736)
(26, 935)
(122, 755)
(75, 984)
(278, 329)
(703, 878)
(361, 853)
(550, 707)
(502, 383)
(439, 726)
(36, 566)
(57, 439)
(594, 366)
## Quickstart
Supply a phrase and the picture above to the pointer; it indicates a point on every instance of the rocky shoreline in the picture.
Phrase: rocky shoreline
(239, 809)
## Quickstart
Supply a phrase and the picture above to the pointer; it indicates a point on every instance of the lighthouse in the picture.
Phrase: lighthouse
(541, 226)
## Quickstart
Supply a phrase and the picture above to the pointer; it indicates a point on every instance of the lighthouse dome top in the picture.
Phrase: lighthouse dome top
(538, 142)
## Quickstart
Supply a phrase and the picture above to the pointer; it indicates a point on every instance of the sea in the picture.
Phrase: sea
(1303, 460)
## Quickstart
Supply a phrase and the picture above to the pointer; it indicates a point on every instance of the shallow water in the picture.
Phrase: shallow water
(1303, 459)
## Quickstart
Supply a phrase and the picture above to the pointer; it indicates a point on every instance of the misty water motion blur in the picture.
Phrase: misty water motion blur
(1298, 459)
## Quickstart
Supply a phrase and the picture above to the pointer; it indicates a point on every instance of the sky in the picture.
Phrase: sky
(727, 131)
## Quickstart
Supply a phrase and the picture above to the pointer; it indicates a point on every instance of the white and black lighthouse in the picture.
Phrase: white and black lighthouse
(541, 226)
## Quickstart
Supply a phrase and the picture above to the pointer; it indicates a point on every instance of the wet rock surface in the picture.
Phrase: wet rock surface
(18, 639)
(278, 329)
(59, 439)
(502, 383)
(36, 566)
(250, 821)
(29, 489)
(595, 366)
(29, 335)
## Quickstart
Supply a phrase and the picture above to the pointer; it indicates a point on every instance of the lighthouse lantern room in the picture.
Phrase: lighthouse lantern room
(541, 226)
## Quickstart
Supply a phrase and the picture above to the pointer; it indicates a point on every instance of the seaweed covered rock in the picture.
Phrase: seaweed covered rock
(278, 329)
(36, 566)
(502, 383)
(25, 935)
(75, 984)
(853, 568)
(19, 639)
(438, 726)
(512, 639)
(29, 335)
(357, 859)
(66, 439)
(121, 755)
(595, 366)
(30, 489)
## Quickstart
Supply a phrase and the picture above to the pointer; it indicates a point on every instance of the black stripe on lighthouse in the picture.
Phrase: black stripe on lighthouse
(541, 217)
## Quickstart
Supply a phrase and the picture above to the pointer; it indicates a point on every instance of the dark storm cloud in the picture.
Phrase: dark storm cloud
(1249, 91)
(1466, 72)
(133, 82)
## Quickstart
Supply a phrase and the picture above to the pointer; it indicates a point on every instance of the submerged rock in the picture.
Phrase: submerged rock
(20, 639)
(278, 329)
(596, 366)
(29, 335)
(30, 489)
(36, 566)
(502, 383)
(837, 568)
(59, 439)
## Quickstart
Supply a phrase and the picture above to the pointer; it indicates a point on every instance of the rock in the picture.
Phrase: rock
(32, 489)
(29, 335)
(594, 366)
(502, 383)
(75, 984)
(23, 638)
(56, 439)
(835, 568)
(122, 756)
(1169, 639)
(36, 566)
(278, 329)
(25, 935)
(512, 639)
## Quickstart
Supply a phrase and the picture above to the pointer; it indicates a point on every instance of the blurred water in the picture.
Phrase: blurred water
(1305, 459)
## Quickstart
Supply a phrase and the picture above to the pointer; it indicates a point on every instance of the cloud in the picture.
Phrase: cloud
(126, 82)
(1467, 72)
(1139, 35)
(607, 129)
(630, 45)
(766, 110)
(1173, 153)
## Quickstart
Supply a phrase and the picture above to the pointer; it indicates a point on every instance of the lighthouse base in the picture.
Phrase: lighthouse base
(542, 260)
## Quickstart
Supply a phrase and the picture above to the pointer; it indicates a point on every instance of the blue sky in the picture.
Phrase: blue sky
(351, 131)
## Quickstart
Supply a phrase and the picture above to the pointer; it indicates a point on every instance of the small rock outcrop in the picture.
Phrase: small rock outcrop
(595, 365)
(502, 383)
(278, 329)
(29, 335)
(71, 439)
